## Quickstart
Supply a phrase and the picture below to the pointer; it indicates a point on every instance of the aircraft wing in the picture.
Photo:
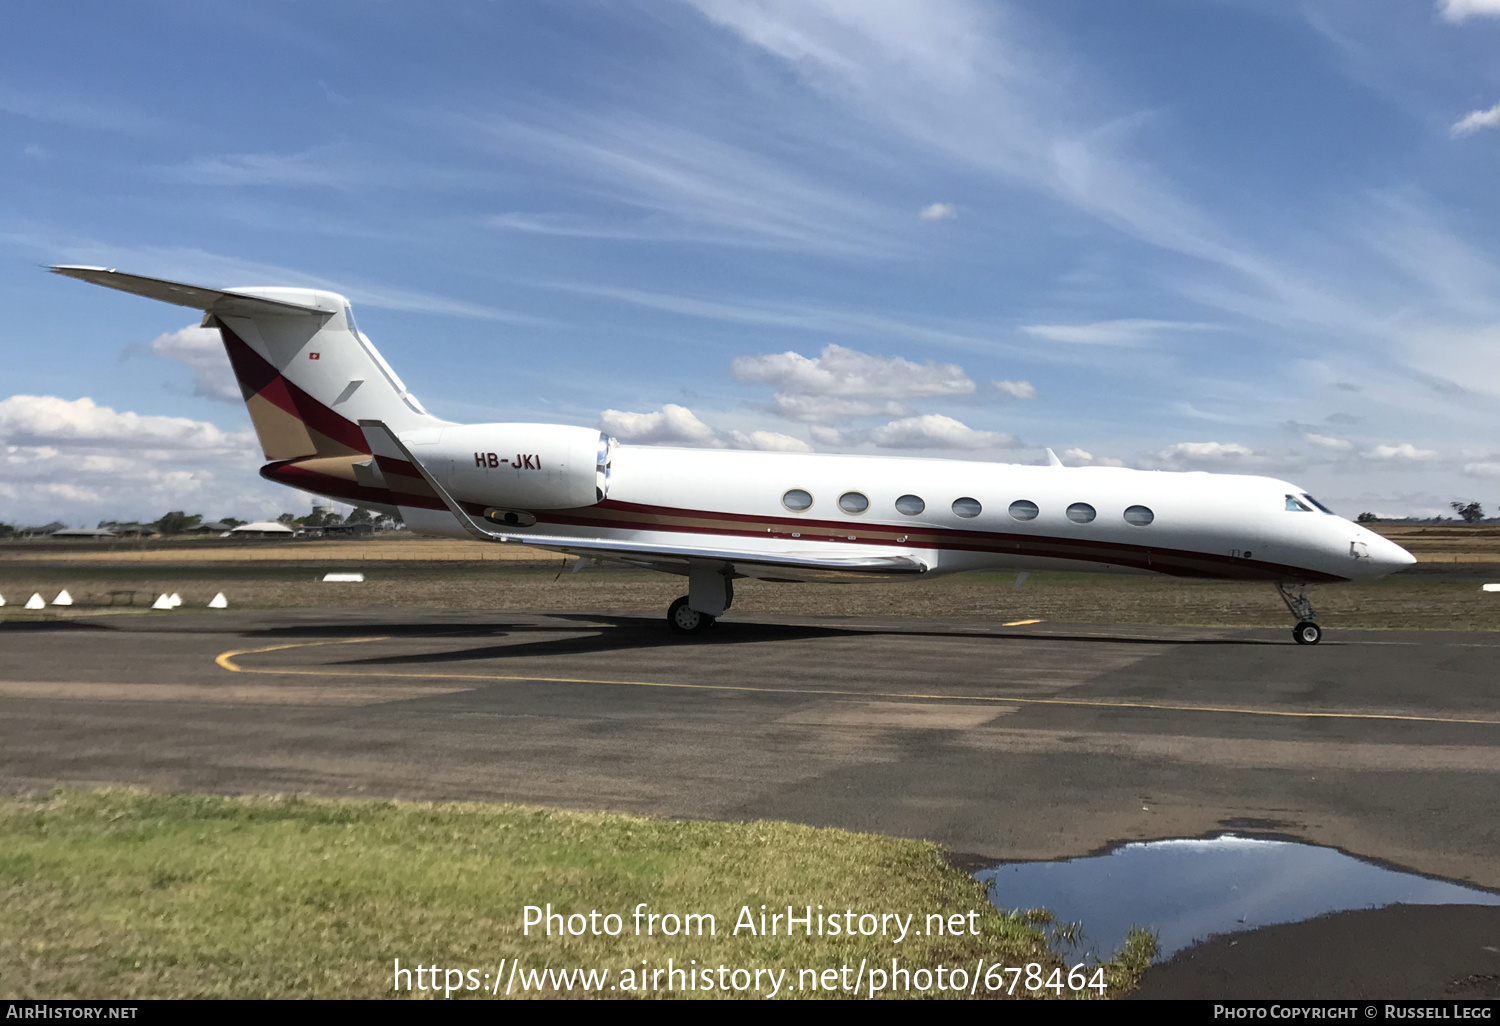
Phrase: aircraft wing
(670, 558)
(194, 296)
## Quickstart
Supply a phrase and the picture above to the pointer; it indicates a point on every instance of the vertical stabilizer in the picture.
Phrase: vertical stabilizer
(307, 374)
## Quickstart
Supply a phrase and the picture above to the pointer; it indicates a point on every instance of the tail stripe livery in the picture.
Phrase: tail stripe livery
(271, 398)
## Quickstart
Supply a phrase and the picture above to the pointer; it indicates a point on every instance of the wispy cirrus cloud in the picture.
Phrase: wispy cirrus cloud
(1124, 332)
(202, 267)
(93, 112)
(697, 185)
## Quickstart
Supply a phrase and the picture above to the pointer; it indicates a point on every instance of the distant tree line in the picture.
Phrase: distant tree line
(1468, 512)
(180, 522)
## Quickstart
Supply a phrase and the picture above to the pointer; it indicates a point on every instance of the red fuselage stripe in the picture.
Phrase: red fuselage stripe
(639, 517)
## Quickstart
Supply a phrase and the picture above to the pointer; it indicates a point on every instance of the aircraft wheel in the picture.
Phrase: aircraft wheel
(684, 619)
(1307, 633)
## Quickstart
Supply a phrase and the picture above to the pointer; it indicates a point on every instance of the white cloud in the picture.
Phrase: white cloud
(939, 212)
(1328, 442)
(814, 409)
(848, 372)
(1083, 456)
(79, 462)
(1227, 456)
(201, 351)
(1477, 119)
(1482, 469)
(671, 425)
(935, 431)
(678, 425)
(1460, 10)
(1404, 451)
(1015, 389)
(768, 441)
(1124, 332)
(42, 420)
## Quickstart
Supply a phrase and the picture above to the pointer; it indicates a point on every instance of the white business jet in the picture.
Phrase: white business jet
(335, 420)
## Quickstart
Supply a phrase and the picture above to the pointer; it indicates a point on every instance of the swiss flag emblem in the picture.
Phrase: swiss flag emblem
(313, 356)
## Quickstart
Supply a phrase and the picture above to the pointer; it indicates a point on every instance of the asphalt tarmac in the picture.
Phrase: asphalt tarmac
(1031, 741)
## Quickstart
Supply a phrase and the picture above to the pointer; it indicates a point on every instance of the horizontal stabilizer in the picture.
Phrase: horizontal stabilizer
(219, 301)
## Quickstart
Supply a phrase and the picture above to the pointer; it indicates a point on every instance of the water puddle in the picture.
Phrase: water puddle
(1188, 890)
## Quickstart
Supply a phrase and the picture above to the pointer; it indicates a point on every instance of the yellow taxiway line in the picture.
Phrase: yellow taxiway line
(226, 660)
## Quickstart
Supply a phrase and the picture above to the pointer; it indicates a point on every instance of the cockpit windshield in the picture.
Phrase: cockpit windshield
(1296, 505)
(1316, 503)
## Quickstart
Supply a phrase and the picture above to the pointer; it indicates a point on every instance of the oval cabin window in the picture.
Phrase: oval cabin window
(1081, 513)
(1024, 509)
(853, 502)
(797, 500)
(967, 507)
(911, 505)
(1140, 516)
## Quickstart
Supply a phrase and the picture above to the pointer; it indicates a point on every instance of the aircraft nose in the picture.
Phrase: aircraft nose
(1385, 556)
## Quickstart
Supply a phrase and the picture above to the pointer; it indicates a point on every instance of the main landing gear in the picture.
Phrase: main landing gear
(684, 619)
(1307, 631)
(710, 593)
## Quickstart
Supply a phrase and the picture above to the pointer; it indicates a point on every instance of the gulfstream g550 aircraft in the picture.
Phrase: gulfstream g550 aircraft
(334, 419)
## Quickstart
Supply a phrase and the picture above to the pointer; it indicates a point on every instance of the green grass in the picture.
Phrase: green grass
(136, 894)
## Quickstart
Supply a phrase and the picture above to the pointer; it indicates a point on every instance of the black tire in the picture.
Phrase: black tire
(684, 619)
(1307, 633)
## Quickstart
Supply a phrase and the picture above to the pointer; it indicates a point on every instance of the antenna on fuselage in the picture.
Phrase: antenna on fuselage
(1052, 460)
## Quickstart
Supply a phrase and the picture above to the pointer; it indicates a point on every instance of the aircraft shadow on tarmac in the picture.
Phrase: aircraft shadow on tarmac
(22, 626)
(590, 635)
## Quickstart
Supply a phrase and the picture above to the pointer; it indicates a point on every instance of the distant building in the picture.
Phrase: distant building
(84, 533)
(213, 527)
(262, 529)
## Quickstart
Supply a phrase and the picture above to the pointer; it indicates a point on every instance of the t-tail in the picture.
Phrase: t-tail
(309, 377)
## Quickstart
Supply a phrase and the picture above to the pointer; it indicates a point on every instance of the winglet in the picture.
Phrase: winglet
(383, 441)
(1052, 460)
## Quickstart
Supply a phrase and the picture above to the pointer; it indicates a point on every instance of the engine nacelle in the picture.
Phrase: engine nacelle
(517, 466)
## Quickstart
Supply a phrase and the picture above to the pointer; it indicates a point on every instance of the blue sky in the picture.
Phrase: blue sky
(1179, 234)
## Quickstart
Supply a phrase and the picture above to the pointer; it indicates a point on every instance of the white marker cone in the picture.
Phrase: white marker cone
(345, 578)
(218, 602)
(162, 602)
(1492, 587)
(176, 600)
(2, 600)
(63, 598)
(36, 602)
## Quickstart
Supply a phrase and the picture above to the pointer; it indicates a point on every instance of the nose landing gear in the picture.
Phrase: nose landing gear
(1307, 631)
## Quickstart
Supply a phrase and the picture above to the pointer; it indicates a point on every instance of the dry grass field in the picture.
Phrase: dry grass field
(1446, 543)
(1442, 592)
